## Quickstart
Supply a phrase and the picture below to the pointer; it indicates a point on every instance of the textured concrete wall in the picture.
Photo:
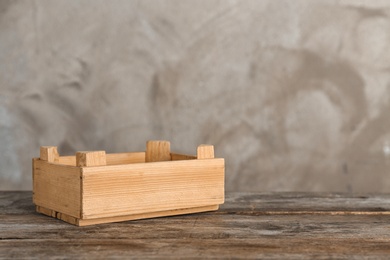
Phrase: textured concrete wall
(294, 94)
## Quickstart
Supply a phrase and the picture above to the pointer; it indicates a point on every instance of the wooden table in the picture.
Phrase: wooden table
(248, 225)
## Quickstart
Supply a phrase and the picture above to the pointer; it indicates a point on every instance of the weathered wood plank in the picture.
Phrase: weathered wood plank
(309, 203)
(242, 228)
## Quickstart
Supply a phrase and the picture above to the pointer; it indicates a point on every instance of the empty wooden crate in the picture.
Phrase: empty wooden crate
(95, 187)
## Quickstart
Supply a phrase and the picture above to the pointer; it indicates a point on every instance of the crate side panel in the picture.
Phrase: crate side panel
(57, 187)
(125, 158)
(178, 157)
(67, 160)
(141, 188)
(112, 158)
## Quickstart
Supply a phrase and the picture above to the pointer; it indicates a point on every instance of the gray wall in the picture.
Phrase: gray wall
(293, 94)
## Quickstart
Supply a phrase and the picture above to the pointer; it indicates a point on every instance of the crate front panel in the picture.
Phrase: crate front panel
(151, 187)
(57, 187)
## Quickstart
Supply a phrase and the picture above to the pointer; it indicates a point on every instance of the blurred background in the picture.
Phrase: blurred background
(295, 95)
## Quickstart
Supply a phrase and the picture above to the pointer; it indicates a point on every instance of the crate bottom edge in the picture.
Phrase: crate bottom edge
(87, 222)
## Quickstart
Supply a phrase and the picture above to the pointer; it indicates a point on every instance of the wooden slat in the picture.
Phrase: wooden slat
(58, 215)
(92, 158)
(142, 188)
(57, 187)
(111, 158)
(43, 210)
(205, 151)
(125, 158)
(178, 157)
(158, 151)
(67, 160)
(87, 222)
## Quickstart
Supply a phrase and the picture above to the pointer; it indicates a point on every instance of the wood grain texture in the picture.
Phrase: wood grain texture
(86, 222)
(125, 158)
(58, 215)
(178, 157)
(93, 158)
(241, 229)
(57, 187)
(49, 154)
(144, 188)
(67, 160)
(157, 151)
(205, 151)
(111, 158)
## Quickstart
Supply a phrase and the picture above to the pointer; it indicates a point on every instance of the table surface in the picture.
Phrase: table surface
(248, 225)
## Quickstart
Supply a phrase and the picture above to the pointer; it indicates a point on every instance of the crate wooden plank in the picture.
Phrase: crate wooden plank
(49, 154)
(205, 151)
(93, 158)
(177, 157)
(67, 160)
(57, 187)
(157, 151)
(142, 188)
(87, 222)
(111, 158)
(58, 215)
(125, 158)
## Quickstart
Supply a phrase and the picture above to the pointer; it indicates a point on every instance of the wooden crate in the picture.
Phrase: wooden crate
(95, 187)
